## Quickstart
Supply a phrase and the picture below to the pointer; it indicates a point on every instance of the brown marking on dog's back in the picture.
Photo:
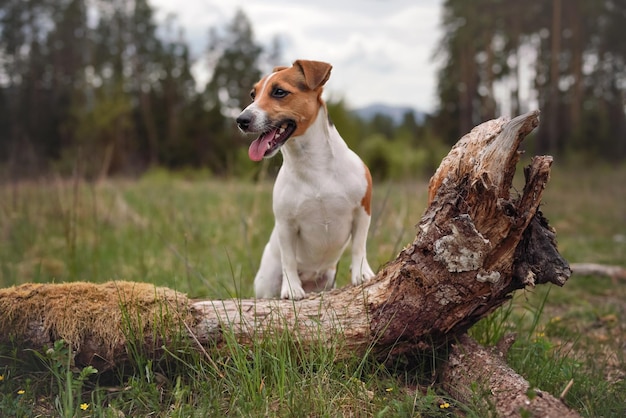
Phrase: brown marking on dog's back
(366, 202)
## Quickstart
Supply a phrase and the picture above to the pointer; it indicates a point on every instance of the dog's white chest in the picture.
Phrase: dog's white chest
(322, 216)
(322, 204)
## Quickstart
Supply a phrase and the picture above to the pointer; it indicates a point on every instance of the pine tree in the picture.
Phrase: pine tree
(236, 68)
(236, 58)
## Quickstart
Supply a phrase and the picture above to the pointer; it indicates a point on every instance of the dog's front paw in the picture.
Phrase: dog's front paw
(292, 292)
(362, 275)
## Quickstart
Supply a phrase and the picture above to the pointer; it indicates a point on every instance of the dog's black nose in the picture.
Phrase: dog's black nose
(243, 121)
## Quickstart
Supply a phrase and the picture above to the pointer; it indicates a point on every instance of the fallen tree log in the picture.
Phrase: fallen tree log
(470, 364)
(592, 269)
(476, 243)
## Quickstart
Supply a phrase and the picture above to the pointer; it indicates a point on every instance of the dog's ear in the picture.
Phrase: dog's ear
(316, 73)
(280, 68)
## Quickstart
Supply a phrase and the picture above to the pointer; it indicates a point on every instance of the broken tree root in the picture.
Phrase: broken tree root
(471, 366)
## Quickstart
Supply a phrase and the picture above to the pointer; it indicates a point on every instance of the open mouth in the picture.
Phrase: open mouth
(270, 141)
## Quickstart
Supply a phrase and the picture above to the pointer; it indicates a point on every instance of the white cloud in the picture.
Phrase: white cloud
(381, 50)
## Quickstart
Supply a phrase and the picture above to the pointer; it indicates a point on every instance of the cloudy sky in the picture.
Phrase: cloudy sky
(381, 50)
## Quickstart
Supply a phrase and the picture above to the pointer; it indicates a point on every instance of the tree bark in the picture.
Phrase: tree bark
(476, 243)
(470, 364)
(554, 103)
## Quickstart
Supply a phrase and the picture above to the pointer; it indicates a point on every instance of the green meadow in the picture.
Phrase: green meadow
(204, 236)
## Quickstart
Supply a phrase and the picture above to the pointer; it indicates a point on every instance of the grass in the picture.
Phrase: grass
(204, 238)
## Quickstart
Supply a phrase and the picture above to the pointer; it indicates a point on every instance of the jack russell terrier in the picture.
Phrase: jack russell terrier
(323, 190)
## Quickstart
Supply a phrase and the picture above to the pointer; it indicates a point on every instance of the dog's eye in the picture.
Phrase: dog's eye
(279, 93)
(252, 94)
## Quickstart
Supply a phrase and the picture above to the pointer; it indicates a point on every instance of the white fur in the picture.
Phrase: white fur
(317, 204)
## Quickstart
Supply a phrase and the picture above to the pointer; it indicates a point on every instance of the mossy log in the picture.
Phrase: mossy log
(476, 243)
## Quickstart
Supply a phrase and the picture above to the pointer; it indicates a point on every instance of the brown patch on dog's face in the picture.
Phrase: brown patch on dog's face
(293, 93)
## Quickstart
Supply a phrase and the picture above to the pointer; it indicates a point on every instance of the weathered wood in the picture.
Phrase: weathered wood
(593, 269)
(470, 366)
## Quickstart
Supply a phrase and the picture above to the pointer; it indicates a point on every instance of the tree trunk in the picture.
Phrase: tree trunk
(554, 98)
(476, 243)
(489, 104)
(467, 88)
(576, 66)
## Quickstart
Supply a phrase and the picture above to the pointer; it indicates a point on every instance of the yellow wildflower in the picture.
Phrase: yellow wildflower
(1, 377)
(21, 392)
(389, 389)
(84, 406)
(444, 405)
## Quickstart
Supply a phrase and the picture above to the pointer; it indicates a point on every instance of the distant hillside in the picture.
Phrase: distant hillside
(396, 113)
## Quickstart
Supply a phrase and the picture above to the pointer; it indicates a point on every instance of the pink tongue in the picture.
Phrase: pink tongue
(259, 146)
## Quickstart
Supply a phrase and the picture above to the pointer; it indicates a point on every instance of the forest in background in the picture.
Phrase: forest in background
(97, 88)
(574, 53)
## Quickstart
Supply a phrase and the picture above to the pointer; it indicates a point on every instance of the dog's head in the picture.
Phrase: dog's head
(284, 104)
